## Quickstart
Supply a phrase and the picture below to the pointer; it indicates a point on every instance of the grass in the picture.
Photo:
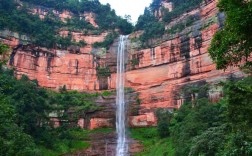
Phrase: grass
(153, 144)
(101, 130)
(48, 152)
(108, 93)
(83, 133)
(64, 146)
(78, 142)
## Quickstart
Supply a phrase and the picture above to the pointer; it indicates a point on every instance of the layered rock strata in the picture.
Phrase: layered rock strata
(155, 74)
(175, 61)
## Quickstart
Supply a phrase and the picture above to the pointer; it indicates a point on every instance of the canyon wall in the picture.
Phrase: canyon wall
(173, 62)
(54, 69)
(74, 68)
(155, 75)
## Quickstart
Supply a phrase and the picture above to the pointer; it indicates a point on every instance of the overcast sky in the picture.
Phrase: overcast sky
(134, 8)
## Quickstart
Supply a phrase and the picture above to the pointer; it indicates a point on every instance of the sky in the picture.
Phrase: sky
(134, 8)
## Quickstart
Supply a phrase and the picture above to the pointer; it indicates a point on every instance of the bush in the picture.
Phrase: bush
(103, 71)
(163, 129)
(181, 6)
(107, 42)
(164, 118)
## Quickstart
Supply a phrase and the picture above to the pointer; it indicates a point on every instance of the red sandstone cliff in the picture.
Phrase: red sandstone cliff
(74, 67)
(53, 68)
(174, 61)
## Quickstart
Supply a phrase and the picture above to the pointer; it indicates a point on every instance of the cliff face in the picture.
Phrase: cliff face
(54, 69)
(155, 74)
(174, 62)
(74, 67)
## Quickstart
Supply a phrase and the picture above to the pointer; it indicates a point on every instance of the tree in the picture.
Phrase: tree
(164, 117)
(145, 19)
(3, 49)
(239, 98)
(151, 26)
(155, 5)
(189, 123)
(13, 141)
(124, 25)
(209, 142)
(233, 44)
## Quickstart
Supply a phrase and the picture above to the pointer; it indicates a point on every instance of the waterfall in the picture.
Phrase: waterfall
(122, 146)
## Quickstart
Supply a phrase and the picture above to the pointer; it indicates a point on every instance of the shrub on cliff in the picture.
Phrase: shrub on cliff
(109, 39)
(151, 26)
(180, 7)
(3, 50)
(106, 17)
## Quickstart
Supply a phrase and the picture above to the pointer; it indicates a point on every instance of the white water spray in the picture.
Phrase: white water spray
(122, 146)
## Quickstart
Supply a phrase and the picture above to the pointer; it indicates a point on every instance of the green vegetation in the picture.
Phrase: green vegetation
(200, 127)
(26, 111)
(44, 32)
(153, 145)
(164, 117)
(192, 121)
(105, 16)
(134, 62)
(107, 42)
(233, 44)
(65, 42)
(103, 71)
(204, 128)
(129, 90)
(180, 7)
(18, 20)
(153, 28)
(67, 142)
(155, 5)
(26, 128)
(184, 24)
(3, 51)
(77, 143)
(108, 93)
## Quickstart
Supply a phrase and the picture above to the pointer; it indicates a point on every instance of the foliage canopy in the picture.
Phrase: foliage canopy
(233, 44)
(25, 112)
(44, 32)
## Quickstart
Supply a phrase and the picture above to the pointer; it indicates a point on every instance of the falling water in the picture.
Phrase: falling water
(122, 146)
